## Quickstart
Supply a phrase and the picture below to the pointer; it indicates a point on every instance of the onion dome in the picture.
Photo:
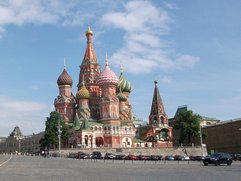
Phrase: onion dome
(83, 93)
(64, 78)
(88, 31)
(121, 97)
(124, 85)
(107, 76)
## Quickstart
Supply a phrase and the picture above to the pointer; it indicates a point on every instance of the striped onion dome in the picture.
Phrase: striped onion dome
(83, 93)
(124, 85)
(107, 76)
(121, 97)
(64, 78)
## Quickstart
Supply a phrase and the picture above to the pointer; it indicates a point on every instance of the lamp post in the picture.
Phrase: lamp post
(59, 136)
(19, 146)
(201, 139)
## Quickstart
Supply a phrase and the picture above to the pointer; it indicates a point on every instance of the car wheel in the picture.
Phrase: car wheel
(229, 163)
(217, 163)
(205, 164)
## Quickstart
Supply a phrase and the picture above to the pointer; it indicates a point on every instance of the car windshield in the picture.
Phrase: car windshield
(215, 155)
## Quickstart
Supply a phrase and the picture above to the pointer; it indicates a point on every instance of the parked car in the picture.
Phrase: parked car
(97, 155)
(120, 157)
(217, 159)
(169, 157)
(154, 157)
(160, 157)
(109, 156)
(199, 158)
(142, 157)
(82, 155)
(131, 157)
(236, 157)
(179, 157)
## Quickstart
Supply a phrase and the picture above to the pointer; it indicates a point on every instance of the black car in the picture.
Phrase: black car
(97, 155)
(236, 157)
(82, 155)
(109, 156)
(217, 159)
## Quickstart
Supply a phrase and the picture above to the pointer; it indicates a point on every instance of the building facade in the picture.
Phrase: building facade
(16, 142)
(224, 136)
(100, 113)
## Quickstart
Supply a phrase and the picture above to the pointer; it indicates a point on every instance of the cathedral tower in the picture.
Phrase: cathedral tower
(64, 103)
(124, 88)
(109, 106)
(157, 116)
(90, 70)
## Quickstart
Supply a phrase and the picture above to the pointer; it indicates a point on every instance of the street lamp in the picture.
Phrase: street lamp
(59, 135)
(201, 139)
(19, 146)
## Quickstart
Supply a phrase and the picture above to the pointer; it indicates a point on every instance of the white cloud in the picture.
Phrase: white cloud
(19, 12)
(169, 5)
(25, 114)
(60, 12)
(143, 50)
(166, 79)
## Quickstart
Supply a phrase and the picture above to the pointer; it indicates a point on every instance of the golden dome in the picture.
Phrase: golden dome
(83, 93)
(88, 31)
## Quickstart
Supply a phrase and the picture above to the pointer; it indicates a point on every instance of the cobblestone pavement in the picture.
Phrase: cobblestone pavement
(33, 168)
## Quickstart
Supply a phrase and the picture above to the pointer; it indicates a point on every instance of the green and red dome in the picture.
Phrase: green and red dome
(124, 85)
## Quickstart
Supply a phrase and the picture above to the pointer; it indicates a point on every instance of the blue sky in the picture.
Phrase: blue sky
(192, 48)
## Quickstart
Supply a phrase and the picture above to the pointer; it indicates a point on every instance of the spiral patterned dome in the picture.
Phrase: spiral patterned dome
(124, 85)
(64, 78)
(107, 76)
(121, 97)
(83, 93)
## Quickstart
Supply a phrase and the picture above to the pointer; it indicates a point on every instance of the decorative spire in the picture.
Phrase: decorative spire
(106, 59)
(157, 105)
(121, 68)
(157, 109)
(64, 63)
(89, 52)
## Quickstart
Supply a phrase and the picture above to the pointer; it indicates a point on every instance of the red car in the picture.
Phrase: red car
(131, 157)
(142, 157)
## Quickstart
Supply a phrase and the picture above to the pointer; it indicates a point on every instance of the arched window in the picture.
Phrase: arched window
(155, 120)
(162, 119)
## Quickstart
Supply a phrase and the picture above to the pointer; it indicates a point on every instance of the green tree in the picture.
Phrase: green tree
(50, 139)
(188, 125)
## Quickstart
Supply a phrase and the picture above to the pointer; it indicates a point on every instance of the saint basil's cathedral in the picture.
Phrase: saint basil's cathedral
(100, 114)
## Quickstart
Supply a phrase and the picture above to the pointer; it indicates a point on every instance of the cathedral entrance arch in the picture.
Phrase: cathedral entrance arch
(99, 141)
(163, 135)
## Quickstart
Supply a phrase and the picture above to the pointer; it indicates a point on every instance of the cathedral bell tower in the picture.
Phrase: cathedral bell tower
(157, 116)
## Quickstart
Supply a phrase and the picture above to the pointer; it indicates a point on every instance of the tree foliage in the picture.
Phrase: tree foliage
(51, 131)
(188, 124)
